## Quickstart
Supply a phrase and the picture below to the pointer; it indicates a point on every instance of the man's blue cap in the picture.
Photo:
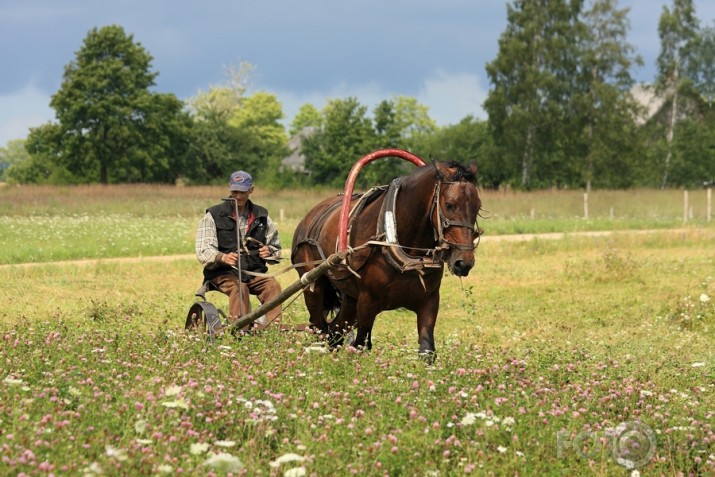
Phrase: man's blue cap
(240, 181)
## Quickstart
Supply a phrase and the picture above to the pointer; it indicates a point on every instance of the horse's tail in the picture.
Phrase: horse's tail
(332, 299)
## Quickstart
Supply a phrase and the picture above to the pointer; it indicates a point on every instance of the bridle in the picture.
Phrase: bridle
(444, 223)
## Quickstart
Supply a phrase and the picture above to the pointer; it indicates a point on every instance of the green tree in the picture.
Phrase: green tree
(469, 141)
(221, 102)
(606, 103)
(217, 149)
(345, 136)
(530, 105)
(307, 116)
(704, 65)
(259, 117)
(109, 123)
(677, 29)
(23, 168)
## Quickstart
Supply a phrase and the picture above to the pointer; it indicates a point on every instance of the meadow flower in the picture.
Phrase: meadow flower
(180, 403)
(501, 449)
(225, 443)
(140, 426)
(469, 419)
(224, 462)
(198, 448)
(12, 381)
(285, 458)
(316, 348)
(92, 470)
(698, 364)
(704, 298)
(165, 469)
(172, 390)
(119, 454)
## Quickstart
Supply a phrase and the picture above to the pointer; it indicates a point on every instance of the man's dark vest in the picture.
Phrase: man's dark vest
(227, 240)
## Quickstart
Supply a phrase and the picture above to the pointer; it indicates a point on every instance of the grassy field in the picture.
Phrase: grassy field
(42, 224)
(578, 356)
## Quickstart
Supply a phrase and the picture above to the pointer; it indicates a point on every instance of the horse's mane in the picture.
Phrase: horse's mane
(461, 172)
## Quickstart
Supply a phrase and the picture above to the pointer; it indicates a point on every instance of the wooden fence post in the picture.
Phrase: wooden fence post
(685, 206)
(585, 205)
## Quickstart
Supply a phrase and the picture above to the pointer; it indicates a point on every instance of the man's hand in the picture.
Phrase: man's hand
(230, 259)
(264, 252)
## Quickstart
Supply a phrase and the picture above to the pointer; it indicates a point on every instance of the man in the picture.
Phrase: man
(217, 241)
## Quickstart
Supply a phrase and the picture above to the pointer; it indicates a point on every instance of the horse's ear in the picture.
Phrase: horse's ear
(441, 169)
(473, 168)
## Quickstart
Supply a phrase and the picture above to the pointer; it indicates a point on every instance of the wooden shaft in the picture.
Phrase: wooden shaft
(304, 281)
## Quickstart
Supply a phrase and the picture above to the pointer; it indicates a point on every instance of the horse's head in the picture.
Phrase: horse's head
(454, 216)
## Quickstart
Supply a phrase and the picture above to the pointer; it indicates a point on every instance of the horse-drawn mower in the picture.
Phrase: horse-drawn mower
(359, 254)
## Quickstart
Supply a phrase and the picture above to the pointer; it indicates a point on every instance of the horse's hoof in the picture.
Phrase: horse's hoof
(428, 357)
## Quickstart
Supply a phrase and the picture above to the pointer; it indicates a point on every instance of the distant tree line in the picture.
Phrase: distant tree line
(563, 111)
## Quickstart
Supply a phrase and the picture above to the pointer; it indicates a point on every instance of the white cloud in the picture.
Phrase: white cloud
(451, 97)
(22, 110)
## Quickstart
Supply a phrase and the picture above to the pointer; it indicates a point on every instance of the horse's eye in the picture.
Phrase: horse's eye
(450, 207)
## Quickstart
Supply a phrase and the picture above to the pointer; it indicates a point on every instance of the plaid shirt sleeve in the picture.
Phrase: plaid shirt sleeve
(273, 240)
(207, 241)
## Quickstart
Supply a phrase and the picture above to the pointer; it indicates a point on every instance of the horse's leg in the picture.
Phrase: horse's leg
(344, 322)
(367, 310)
(426, 320)
(314, 302)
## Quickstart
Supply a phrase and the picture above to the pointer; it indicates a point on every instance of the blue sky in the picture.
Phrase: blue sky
(303, 51)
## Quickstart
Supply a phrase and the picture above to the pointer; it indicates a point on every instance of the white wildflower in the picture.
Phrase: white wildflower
(166, 469)
(509, 421)
(316, 349)
(501, 449)
(285, 458)
(704, 298)
(180, 403)
(140, 426)
(198, 448)
(469, 419)
(172, 391)
(119, 454)
(699, 364)
(144, 442)
(224, 462)
(225, 443)
(12, 381)
(92, 470)
(295, 472)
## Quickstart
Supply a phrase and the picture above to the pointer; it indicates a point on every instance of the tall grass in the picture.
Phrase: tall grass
(554, 358)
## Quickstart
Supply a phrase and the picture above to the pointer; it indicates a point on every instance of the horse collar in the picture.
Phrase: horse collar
(387, 226)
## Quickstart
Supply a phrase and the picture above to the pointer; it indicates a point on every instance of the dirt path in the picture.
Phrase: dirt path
(286, 253)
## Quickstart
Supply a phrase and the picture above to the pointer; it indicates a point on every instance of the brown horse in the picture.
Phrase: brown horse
(399, 240)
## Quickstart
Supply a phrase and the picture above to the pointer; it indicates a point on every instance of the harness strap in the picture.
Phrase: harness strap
(392, 250)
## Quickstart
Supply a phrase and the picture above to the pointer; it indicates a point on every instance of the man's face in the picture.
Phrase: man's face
(241, 197)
